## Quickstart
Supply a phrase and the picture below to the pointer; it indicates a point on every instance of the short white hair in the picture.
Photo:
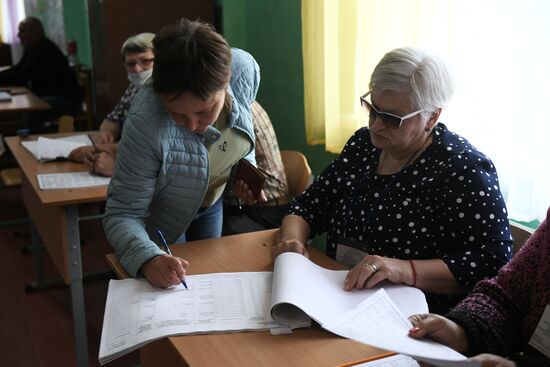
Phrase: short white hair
(138, 43)
(425, 77)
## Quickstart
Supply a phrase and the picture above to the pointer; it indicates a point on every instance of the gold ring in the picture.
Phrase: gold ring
(373, 267)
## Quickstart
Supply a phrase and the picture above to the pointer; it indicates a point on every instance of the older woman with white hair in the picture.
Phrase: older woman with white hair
(138, 58)
(407, 200)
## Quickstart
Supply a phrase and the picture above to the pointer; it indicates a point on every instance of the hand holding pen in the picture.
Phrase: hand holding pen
(167, 249)
(164, 271)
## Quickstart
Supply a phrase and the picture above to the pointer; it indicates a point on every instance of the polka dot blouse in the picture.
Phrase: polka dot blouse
(445, 205)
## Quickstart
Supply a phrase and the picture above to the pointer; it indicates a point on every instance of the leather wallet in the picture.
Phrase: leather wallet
(251, 176)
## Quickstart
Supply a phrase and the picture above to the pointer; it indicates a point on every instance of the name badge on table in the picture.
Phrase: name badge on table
(347, 252)
(541, 337)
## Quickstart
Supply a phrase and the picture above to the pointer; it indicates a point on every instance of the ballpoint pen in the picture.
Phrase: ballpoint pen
(92, 140)
(167, 249)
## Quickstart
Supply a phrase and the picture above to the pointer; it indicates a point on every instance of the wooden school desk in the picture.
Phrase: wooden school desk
(22, 100)
(54, 216)
(247, 252)
(12, 113)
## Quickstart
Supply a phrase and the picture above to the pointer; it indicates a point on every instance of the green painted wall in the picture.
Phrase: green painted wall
(271, 31)
(75, 16)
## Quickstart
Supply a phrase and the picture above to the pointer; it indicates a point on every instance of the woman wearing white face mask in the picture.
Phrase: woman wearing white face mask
(138, 57)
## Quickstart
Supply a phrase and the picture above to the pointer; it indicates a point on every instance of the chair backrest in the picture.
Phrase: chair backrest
(85, 121)
(65, 124)
(520, 233)
(297, 170)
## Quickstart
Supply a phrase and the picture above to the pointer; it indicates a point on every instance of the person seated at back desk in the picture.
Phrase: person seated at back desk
(243, 218)
(508, 315)
(44, 69)
(138, 56)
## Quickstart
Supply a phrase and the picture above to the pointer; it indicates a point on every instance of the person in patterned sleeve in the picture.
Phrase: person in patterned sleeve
(508, 315)
(243, 218)
(138, 55)
(407, 201)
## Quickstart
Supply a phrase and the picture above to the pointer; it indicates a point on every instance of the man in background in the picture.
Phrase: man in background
(44, 69)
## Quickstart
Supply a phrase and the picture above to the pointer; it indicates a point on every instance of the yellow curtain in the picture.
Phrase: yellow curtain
(342, 42)
(1, 23)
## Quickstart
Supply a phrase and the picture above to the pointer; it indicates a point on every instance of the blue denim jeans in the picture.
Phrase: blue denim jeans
(206, 224)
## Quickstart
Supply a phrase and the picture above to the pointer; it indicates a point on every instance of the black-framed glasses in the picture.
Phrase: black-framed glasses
(391, 120)
(143, 62)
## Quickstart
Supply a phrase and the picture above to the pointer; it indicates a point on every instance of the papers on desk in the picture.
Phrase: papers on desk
(136, 313)
(46, 149)
(302, 289)
(399, 360)
(70, 180)
(377, 321)
(5, 97)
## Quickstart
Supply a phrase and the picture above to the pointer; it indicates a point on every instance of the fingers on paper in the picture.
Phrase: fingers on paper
(366, 274)
(104, 164)
(425, 324)
(491, 360)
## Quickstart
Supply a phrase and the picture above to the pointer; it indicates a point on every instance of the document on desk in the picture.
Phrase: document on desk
(303, 289)
(70, 180)
(297, 291)
(137, 313)
(399, 360)
(377, 321)
(5, 96)
(46, 149)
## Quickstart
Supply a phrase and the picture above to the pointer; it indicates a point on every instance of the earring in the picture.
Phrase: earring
(427, 129)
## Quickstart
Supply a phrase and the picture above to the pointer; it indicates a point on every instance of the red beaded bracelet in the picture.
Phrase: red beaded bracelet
(414, 273)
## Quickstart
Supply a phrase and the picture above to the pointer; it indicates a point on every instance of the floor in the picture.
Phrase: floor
(36, 328)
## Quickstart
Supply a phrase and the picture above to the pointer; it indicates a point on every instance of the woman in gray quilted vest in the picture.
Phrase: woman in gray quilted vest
(185, 131)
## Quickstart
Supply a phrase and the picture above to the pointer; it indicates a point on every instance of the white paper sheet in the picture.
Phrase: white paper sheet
(137, 313)
(5, 96)
(319, 292)
(46, 149)
(70, 180)
(378, 322)
(399, 360)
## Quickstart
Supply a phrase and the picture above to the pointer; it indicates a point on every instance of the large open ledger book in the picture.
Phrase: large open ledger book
(296, 291)
(46, 149)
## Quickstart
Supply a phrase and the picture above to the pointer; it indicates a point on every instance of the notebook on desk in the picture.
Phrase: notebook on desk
(5, 96)
(46, 149)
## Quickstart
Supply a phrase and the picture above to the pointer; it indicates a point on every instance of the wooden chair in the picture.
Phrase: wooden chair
(297, 170)
(520, 234)
(65, 124)
(85, 121)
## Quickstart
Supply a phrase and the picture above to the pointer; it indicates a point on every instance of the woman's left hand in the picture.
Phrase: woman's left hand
(373, 269)
(240, 189)
(104, 164)
(491, 360)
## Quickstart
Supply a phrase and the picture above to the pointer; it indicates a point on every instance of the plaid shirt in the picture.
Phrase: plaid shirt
(268, 157)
